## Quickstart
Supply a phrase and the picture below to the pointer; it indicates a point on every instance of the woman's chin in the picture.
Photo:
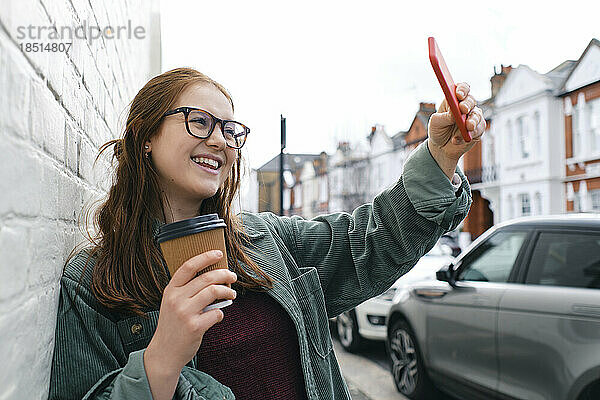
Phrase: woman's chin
(206, 193)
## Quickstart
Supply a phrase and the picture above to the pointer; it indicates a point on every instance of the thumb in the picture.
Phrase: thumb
(442, 119)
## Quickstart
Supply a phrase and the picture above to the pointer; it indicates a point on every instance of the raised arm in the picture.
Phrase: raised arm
(360, 255)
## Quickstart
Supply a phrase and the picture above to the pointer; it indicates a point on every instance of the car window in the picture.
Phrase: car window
(566, 259)
(493, 260)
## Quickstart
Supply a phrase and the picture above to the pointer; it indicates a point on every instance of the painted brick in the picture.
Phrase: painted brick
(46, 254)
(14, 257)
(47, 121)
(49, 134)
(16, 77)
(20, 196)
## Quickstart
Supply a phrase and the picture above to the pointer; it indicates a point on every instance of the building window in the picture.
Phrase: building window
(490, 151)
(576, 136)
(511, 144)
(593, 115)
(287, 195)
(536, 132)
(538, 203)
(323, 189)
(522, 137)
(577, 202)
(595, 198)
(578, 124)
(297, 196)
(525, 204)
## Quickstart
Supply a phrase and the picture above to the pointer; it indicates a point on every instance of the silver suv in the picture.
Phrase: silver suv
(515, 316)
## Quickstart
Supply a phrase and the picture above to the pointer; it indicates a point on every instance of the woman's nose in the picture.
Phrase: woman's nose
(216, 139)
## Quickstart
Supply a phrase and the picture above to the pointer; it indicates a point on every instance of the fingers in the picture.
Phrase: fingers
(191, 267)
(211, 293)
(462, 91)
(215, 277)
(205, 321)
(479, 130)
(467, 105)
(473, 118)
(476, 123)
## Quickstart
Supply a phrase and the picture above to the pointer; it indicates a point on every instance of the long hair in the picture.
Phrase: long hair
(125, 277)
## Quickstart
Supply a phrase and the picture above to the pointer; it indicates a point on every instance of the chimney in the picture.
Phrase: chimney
(498, 79)
(373, 129)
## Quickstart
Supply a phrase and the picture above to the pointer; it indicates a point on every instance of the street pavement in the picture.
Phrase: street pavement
(367, 380)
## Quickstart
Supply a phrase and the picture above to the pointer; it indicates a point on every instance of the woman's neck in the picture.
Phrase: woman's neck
(181, 209)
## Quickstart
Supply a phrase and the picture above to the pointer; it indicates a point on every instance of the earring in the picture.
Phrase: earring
(147, 153)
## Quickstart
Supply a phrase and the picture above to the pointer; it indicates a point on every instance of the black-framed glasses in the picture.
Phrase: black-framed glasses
(201, 124)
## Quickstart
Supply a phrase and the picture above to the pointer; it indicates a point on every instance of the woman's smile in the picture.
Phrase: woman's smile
(208, 165)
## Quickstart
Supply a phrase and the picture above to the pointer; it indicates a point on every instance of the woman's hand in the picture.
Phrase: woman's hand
(446, 143)
(181, 322)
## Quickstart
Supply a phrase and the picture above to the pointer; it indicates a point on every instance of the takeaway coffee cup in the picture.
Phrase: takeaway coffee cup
(182, 240)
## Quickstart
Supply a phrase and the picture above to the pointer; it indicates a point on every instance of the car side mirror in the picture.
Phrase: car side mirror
(446, 274)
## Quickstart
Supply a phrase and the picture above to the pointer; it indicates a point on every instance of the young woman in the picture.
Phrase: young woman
(126, 330)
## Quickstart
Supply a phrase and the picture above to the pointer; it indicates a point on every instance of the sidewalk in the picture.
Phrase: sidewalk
(366, 380)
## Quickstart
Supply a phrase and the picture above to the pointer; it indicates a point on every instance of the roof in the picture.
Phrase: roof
(291, 162)
(398, 140)
(424, 117)
(593, 42)
(487, 106)
(579, 220)
(559, 74)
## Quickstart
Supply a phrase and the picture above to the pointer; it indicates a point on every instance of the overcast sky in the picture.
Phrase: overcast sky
(335, 68)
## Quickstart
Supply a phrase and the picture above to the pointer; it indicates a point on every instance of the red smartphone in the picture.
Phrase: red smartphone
(448, 86)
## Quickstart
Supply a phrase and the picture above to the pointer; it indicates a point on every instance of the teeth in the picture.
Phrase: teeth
(208, 161)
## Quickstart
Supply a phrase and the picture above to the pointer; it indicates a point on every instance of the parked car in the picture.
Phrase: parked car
(516, 316)
(451, 239)
(368, 320)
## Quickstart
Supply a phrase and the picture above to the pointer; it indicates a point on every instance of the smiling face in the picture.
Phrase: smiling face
(186, 164)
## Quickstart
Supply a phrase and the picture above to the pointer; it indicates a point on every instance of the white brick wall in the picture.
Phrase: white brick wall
(56, 109)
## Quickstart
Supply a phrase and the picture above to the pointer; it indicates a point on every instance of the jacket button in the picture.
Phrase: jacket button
(136, 329)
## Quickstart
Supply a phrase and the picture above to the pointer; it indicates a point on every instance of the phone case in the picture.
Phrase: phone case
(448, 86)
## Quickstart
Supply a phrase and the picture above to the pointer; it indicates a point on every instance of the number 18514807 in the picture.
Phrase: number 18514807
(46, 47)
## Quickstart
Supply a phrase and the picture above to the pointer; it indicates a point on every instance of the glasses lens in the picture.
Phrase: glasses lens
(235, 134)
(199, 123)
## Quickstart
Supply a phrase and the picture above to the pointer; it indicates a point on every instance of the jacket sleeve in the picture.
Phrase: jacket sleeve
(360, 255)
(89, 361)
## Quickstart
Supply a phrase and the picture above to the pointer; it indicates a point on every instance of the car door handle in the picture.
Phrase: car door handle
(431, 293)
(588, 310)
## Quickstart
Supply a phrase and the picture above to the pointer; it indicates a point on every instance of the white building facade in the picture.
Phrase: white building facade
(525, 146)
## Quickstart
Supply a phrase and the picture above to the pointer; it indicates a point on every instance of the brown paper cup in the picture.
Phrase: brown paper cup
(182, 240)
(179, 250)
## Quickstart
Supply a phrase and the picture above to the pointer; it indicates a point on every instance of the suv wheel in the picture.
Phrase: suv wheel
(347, 329)
(408, 370)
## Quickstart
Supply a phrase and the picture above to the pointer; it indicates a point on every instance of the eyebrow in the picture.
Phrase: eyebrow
(211, 111)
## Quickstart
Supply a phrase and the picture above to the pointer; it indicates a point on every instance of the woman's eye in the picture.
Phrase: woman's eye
(199, 121)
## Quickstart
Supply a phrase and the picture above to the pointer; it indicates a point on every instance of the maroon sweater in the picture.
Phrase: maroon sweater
(254, 350)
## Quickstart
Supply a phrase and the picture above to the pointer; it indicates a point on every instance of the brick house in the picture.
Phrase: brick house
(268, 183)
(581, 99)
(417, 133)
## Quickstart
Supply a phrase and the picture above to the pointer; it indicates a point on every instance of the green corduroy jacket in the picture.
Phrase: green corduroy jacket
(321, 267)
